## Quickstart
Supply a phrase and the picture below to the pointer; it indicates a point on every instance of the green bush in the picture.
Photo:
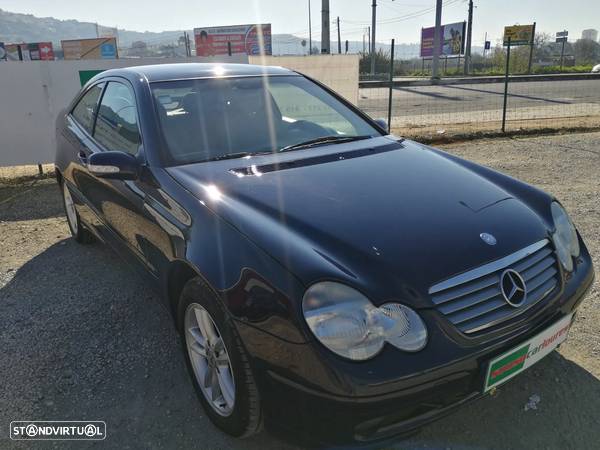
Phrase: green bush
(557, 69)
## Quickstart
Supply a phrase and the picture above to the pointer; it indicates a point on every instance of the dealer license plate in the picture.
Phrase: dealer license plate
(525, 355)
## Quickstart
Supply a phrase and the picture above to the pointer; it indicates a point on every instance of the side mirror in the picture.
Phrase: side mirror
(383, 124)
(115, 165)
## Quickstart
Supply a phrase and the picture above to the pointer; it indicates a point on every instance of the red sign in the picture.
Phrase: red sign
(244, 39)
(46, 51)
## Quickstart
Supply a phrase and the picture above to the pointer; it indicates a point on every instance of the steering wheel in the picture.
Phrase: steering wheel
(310, 128)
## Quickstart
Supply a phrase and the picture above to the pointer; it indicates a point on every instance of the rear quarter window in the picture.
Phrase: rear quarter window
(85, 109)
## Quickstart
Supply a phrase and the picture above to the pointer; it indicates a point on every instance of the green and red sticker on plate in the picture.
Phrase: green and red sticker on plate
(509, 364)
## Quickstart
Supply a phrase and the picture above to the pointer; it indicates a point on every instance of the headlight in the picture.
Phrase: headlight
(565, 237)
(348, 324)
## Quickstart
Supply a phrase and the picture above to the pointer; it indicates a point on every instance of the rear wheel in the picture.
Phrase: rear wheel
(217, 362)
(78, 232)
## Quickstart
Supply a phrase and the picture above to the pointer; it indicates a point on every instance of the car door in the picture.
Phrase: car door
(121, 204)
(78, 138)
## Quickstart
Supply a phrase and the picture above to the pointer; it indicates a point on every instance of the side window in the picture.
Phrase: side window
(84, 110)
(116, 125)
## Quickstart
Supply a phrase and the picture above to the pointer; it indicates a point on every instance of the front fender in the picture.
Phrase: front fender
(255, 288)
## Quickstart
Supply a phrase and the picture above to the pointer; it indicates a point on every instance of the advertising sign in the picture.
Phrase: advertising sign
(102, 31)
(12, 52)
(24, 51)
(97, 48)
(244, 39)
(519, 34)
(452, 42)
(46, 51)
(34, 51)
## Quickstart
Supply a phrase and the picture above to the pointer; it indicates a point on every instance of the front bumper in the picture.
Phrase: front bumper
(337, 402)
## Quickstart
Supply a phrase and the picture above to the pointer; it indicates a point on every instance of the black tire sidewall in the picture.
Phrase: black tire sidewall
(241, 421)
(82, 235)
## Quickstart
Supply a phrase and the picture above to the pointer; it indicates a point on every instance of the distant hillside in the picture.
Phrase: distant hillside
(16, 27)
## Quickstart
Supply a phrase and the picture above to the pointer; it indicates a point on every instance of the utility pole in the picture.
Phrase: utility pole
(369, 38)
(531, 45)
(373, 25)
(469, 37)
(186, 43)
(437, 41)
(364, 43)
(339, 37)
(562, 37)
(325, 34)
(309, 31)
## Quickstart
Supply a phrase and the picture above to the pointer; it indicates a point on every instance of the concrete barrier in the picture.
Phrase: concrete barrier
(338, 72)
(32, 93)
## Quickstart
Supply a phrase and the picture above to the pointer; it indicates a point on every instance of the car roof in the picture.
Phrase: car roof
(167, 72)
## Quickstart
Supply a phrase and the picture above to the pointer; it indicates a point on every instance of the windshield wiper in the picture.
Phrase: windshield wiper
(323, 140)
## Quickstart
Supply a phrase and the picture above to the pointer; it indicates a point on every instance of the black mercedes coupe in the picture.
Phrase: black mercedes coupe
(327, 278)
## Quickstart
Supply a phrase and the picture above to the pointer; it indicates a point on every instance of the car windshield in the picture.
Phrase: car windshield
(219, 118)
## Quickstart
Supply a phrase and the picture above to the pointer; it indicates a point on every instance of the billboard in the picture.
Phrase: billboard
(35, 51)
(12, 52)
(97, 48)
(102, 31)
(245, 39)
(452, 42)
(39, 51)
(519, 34)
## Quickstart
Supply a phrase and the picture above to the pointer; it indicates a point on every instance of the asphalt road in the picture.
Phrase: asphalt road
(572, 95)
(83, 338)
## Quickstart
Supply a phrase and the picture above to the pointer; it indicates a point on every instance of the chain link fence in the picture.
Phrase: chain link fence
(489, 103)
(460, 107)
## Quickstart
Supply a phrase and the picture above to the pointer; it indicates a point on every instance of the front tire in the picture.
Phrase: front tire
(217, 362)
(79, 233)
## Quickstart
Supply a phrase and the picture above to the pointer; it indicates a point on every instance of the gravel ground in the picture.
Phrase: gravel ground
(82, 337)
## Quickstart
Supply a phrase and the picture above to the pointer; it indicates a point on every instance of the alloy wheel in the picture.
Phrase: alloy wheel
(70, 208)
(210, 360)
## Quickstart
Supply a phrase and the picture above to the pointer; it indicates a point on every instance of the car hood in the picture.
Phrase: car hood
(391, 218)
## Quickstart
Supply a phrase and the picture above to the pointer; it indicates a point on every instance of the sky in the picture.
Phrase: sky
(399, 19)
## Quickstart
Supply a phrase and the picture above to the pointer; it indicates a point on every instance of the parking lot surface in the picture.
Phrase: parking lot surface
(83, 338)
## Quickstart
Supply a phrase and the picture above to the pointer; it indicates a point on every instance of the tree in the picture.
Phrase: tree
(586, 51)
(542, 46)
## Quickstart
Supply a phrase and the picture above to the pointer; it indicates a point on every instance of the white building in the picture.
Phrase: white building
(590, 34)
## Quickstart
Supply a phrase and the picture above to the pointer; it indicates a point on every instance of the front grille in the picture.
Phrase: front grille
(473, 300)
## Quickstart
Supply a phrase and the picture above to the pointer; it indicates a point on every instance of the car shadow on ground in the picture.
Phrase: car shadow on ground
(83, 338)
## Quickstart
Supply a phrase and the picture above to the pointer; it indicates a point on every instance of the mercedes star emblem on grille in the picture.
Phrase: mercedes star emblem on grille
(513, 288)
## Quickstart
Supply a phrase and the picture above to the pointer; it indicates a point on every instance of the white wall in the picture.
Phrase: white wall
(339, 72)
(32, 93)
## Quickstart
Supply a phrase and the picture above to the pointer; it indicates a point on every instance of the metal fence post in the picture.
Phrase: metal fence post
(506, 86)
(391, 88)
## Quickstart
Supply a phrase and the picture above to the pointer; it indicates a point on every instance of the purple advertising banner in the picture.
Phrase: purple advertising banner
(452, 42)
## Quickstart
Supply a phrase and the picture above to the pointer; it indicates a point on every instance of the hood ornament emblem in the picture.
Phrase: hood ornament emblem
(488, 238)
